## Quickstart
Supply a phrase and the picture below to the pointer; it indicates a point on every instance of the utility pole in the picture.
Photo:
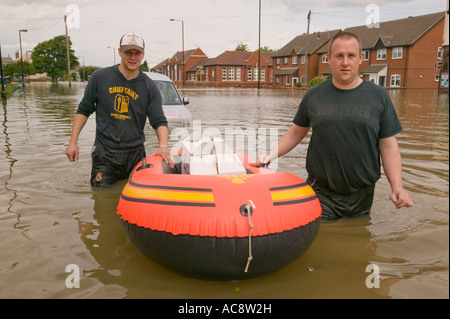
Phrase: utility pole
(306, 50)
(1, 77)
(68, 53)
(259, 48)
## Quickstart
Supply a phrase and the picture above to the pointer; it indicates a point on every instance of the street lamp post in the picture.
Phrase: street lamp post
(21, 57)
(182, 46)
(114, 52)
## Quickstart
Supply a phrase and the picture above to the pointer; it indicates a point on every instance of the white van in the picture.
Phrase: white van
(173, 105)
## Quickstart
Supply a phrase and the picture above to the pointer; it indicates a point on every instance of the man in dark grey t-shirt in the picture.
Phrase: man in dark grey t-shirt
(354, 125)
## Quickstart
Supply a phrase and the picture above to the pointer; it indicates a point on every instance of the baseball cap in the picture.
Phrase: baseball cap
(131, 41)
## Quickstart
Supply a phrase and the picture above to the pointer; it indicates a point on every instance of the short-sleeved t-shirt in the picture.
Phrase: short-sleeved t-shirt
(343, 153)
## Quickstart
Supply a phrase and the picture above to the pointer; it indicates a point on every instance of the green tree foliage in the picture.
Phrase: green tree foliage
(242, 47)
(87, 72)
(315, 81)
(266, 49)
(14, 70)
(144, 67)
(51, 57)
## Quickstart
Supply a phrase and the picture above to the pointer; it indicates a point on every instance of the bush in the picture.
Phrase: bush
(315, 81)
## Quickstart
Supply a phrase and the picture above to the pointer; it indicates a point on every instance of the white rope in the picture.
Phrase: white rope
(250, 257)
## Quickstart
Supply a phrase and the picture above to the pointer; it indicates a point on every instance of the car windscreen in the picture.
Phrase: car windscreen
(169, 93)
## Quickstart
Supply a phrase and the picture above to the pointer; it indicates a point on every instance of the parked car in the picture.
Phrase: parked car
(173, 105)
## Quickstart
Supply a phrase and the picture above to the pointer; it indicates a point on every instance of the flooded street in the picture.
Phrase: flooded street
(51, 218)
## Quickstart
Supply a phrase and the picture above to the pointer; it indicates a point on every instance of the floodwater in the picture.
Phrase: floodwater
(52, 223)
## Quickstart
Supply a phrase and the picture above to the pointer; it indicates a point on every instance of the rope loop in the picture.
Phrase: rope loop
(250, 257)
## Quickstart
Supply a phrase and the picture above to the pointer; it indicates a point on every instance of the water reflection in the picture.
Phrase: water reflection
(52, 217)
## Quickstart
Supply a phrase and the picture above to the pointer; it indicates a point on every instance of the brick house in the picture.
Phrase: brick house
(173, 67)
(289, 62)
(444, 68)
(400, 53)
(234, 68)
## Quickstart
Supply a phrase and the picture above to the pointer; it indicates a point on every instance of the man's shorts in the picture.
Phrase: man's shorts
(110, 166)
(336, 205)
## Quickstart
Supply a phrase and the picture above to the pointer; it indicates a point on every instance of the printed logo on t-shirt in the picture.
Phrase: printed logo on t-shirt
(122, 100)
(121, 103)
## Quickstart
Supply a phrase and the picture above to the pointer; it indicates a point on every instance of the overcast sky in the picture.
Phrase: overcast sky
(213, 25)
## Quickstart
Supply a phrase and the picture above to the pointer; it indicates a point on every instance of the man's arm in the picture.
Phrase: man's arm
(392, 164)
(72, 150)
(287, 142)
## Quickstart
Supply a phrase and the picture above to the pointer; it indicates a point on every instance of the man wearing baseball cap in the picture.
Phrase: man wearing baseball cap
(123, 98)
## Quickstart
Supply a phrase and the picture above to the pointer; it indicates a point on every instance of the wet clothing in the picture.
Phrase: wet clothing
(122, 108)
(343, 156)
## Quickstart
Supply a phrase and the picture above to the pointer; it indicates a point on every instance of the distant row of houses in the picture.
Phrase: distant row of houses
(404, 53)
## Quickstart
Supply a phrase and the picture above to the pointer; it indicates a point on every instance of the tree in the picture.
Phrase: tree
(266, 49)
(144, 67)
(51, 57)
(14, 70)
(87, 72)
(242, 47)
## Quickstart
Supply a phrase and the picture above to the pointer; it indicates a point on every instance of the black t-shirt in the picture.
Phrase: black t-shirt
(343, 154)
(122, 107)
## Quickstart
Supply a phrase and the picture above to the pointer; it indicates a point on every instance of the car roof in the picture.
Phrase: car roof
(158, 76)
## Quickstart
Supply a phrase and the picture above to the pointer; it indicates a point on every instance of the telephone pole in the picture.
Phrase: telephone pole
(68, 53)
(306, 50)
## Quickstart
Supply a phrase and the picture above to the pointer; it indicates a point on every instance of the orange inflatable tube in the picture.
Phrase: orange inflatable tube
(219, 227)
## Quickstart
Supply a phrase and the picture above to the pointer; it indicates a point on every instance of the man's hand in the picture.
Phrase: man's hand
(400, 198)
(164, 152)
(73, 152)
(261, 160)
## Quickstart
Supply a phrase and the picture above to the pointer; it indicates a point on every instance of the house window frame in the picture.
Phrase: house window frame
(295, 59)
(303, 59)
(286, 60)
(231, 73)
(224, 73)
(249, 73)
(324, 58)
(381, 54)
(395, 80)
(238, 74)
(366, 55)
(397, 53)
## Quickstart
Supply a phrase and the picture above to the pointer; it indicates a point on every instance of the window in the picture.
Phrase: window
(288, 79)
(255, 74)
(231, 73)
(303, 59)
(224, 74)
(436, 77)
(277, 80)
(285, 60)
(238, 74)
(207, 74)
(249, 73)
(263, 73)
(302, 80)
(439, 53)
(324, 58)
(366, 54)
(397, 53)
(395, 80)
(381, 54)
(295, 59)
(278, 61)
